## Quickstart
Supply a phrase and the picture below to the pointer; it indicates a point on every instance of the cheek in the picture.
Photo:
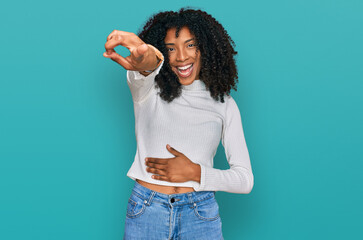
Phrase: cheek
(198, 59)
(198, 68)
(171, 61)
(199, 63)
(171, 64)
(173, 69)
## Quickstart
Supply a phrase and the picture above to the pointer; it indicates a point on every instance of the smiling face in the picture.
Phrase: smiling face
(184, 57)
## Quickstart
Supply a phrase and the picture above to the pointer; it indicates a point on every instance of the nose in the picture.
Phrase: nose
(181, 56)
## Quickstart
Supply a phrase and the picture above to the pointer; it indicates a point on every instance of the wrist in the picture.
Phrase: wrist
(157, 65)
(159, 58)
(196, 173)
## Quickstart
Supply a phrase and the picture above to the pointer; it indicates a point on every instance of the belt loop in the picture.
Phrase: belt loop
(150, 198)
(191, 202)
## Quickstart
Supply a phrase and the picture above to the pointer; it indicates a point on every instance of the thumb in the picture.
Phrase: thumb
(108, 53)
(140, 51)
(173, 151)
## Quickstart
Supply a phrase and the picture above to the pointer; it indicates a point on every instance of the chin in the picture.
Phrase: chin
(186, 81)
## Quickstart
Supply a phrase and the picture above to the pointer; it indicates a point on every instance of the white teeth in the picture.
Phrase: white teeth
(185, 67)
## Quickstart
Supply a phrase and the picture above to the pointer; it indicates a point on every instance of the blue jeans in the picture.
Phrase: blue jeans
(153, 215)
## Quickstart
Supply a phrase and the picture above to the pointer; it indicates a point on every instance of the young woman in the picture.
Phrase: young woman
(181, 69)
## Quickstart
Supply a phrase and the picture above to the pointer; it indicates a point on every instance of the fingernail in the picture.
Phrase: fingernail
(168, 145)
(145, 159)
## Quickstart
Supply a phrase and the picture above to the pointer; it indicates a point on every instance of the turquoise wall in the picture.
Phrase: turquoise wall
(67, 125)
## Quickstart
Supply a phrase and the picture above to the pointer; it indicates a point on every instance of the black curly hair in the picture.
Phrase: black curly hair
(218, 67)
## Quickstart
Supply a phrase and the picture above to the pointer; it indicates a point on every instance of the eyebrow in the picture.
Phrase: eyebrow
(184, 42)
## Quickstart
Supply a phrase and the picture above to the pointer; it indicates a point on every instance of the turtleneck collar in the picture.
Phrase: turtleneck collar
(195, 85)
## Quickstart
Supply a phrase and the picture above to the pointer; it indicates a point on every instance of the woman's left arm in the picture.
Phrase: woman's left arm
(238, 179)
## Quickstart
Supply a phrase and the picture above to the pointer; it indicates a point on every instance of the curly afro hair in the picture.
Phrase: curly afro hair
(218, 68)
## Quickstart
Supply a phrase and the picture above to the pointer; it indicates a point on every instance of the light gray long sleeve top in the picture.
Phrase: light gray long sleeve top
(193, 124)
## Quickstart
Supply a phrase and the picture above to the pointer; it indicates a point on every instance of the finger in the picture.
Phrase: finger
(157, 166)
(162, 178)
(114, 42)
(115, 32)
(111, 35)
(126, 39)
(158, 160)
(156, 171)
(108, 53)
(120, 60)
(139, 52)
(173, 151)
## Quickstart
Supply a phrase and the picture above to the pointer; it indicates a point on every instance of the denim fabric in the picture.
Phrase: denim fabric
(155, 216)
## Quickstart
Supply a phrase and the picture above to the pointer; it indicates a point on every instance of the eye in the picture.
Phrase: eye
(170, 49)
(191, 45)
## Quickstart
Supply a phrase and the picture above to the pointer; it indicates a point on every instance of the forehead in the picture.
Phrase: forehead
(184, 34)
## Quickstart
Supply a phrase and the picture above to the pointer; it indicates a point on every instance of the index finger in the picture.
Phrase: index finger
(113, 33)
(162, 161)
(114, 42)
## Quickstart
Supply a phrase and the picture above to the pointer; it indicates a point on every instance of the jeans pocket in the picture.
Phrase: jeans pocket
(135, 206)
(207, 210)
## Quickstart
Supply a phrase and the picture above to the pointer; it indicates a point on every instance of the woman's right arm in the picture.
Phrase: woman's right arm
(143, 64)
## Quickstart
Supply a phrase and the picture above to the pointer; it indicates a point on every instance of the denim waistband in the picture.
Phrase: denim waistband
(177, 199)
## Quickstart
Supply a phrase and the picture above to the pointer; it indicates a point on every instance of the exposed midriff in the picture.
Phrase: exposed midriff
(165, 189)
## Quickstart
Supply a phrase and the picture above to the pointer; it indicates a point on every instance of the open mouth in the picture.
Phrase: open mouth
(185, 71)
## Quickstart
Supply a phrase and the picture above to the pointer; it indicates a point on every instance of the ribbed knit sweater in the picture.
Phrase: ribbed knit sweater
(193, 124)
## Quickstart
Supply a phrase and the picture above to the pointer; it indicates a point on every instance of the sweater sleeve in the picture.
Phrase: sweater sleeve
(141, 85)
(239, 178)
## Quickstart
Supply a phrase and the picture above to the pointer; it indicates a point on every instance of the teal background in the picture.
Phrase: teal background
(67, 126)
